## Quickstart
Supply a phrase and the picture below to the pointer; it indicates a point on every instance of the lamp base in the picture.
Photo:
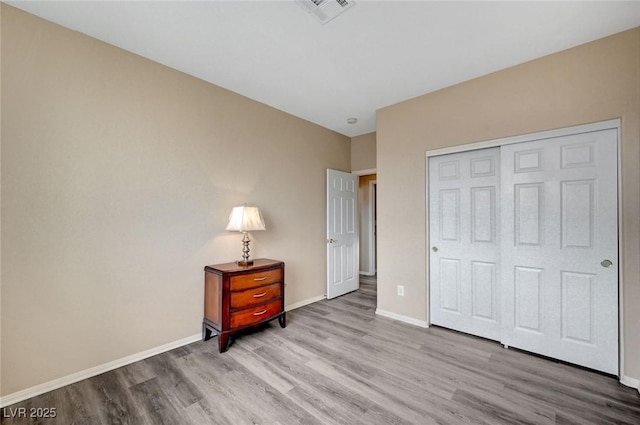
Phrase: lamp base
(245, 252)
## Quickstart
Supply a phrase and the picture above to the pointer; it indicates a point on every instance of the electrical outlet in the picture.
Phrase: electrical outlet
(401, 290)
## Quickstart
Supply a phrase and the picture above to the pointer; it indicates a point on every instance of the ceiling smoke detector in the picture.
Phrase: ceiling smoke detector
(326, 10)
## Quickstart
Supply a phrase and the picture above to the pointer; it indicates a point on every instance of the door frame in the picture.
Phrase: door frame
(614, 124)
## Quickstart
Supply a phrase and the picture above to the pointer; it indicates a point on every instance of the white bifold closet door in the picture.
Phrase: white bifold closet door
(524, 246)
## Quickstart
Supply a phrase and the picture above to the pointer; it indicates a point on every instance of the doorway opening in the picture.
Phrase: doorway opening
(367, 197)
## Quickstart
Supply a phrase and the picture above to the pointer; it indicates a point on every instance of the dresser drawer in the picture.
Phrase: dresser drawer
(256, 295)
(252, 280)
(253, 315)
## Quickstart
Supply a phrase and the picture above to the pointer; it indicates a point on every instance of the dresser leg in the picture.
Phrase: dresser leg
(223, 342)
(283, 320)
(206, 333)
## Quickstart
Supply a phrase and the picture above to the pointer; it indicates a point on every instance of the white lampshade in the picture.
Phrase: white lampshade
(245, 219)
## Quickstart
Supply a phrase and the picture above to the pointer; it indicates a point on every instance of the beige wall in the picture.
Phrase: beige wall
(118, 175)
(363, 152)
(594, 82)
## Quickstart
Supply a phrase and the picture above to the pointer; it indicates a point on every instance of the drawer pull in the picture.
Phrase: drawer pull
(260, 295)
(260, 313)
(259, 278)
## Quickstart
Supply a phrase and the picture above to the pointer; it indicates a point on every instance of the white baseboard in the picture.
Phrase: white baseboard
(91, 372)
(630, 382)
(363, 273)
(402, 318)
(305, 302)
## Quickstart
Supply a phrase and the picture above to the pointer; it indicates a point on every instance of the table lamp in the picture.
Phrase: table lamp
(245, 219)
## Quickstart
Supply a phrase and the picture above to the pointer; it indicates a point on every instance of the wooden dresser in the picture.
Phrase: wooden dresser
(240, 297)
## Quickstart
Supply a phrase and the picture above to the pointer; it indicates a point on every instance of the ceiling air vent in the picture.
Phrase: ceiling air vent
(326, 10)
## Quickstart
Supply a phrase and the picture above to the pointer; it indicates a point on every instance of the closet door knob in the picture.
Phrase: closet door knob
(434, 249)
(606, 263)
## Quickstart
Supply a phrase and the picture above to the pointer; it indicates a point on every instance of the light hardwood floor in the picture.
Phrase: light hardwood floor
(337, 363)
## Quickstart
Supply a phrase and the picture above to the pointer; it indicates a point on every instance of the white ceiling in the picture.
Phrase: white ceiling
(375, 54)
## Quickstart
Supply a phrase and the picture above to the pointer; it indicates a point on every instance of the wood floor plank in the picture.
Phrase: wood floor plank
(136, 373)
(116, 404)
(331, 392)
(152, 399)
(219, 402)
(170, 376)
(72, 405)
(260, 368)
(502, 412)
(264, 401)
(337, 362)
(383, 395)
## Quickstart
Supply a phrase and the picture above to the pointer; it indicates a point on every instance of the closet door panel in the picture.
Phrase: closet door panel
(559, 225)
(464, 237)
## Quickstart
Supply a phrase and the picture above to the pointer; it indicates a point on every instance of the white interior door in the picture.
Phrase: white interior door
(342, 234)
(560, 248)
(464, 190)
